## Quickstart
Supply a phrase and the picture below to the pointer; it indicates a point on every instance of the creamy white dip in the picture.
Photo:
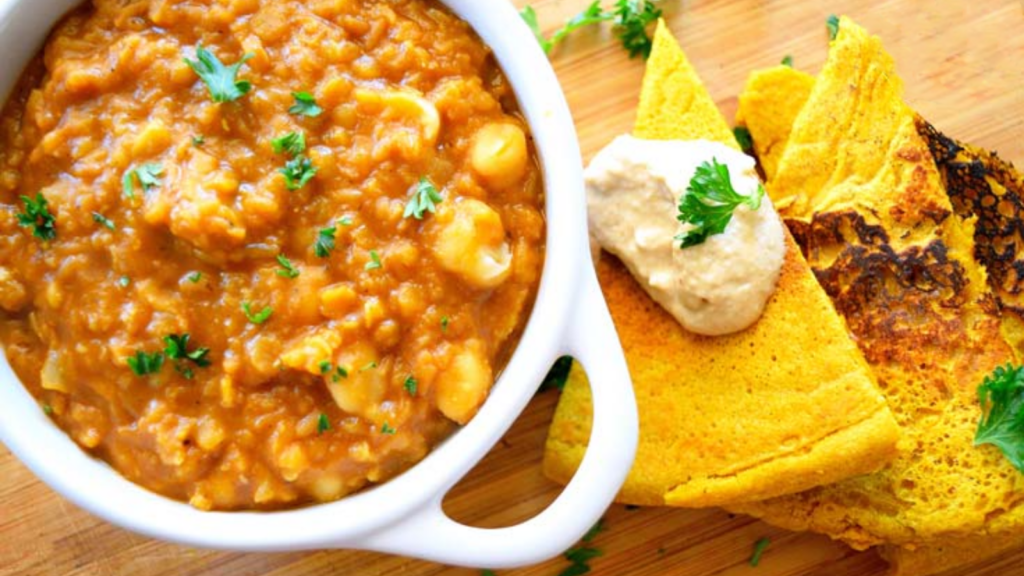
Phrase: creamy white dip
(715, 288)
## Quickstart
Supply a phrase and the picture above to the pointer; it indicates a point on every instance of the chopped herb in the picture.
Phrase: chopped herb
(369, 366)
(124, 281)
(288, 270)
(298, 171)
(219, 79)
(424, 199)
(103, 221)
(743, 138)
(195, 277)
(410, 385)
(198, 140)
(323, 424)
(787, 60)
(1002, 405)
(259, 317)
(325, 242)
(148, 176)
(575, 570)
(177, 349)
(387, 429)
(345, 221)
(832, 24)
(582, 555)
(596, 529)
(591, 15)
(632, 18)
(305, 105)
(709, 202)
(339, 373)
(487, 573)
(444, 323)
(144, 364)
(294, 143)
(37, 215)
(47, 409)
(374, 262)
(325, 367)
(558, 375)
(759, 548)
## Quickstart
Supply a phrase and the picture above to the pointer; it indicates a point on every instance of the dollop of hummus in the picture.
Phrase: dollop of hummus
(715, 288)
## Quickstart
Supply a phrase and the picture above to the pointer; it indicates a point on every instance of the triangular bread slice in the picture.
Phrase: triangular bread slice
(860, 185)
(780, 407)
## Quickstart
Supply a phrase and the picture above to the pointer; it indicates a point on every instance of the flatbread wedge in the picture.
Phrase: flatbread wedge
(782, 406)
(861, 189)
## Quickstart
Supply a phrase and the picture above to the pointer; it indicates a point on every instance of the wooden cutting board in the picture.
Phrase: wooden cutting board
(963, 65)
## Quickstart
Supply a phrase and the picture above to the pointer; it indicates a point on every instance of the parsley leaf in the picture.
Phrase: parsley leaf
(759, 547)
(198, 140)
(48, 409)
(374, 262)
(743, 138)
(288, 269)
(387, 429)
(345, 221)
(596, 529)
(632, 18)
(1002, 405)
(424, 199)
(582, 555)
(369, 366)
(148, 176)
(325, 242)
(103, 221)
(787, 60)
(444, 323)
(558, 375)
(219, 79)
(591, 15)
(37, 215)
(124, 281)
(709, 202)
(195, 277)
(325, 366)
(832, 24)
(305, 105)
(177, 349)
(410, 385)
(339, 373)
(258, 317)
(323, 424)
(144, 364)
(294, 143)
(297, 172)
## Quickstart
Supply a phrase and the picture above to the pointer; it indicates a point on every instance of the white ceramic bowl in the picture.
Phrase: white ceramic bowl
(404, 515)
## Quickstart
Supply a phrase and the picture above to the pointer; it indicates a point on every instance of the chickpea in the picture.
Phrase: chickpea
(498, 154)
(472, 244)
(363, 389)
(464, 384)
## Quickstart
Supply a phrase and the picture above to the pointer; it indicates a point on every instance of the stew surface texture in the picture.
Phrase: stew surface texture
(276, 283)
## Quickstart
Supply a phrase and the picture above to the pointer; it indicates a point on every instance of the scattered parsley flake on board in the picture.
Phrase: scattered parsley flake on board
(832, 24)
(709, 202)
(220, 80)
(787, 60)
(258, 317)
(288, 270)
(37, 216)
(305, 105)
(558, 375)
(425, 198)
(596, 529)
(631, 20)
(103, 221)
(1001, 396)
(759, 547)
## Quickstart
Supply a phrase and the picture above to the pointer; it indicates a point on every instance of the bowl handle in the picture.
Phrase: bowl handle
(430, 534)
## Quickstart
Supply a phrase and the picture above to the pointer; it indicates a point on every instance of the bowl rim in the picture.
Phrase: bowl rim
(93, 485)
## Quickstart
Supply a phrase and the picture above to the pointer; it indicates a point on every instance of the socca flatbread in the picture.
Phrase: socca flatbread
(770, 103)
(782, 406)
(859, 185)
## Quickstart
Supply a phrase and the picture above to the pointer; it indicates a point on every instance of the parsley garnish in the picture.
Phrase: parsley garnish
(144, 364)
(219, 79)
(596, 529)
(37, 215)
(424, 199)
(258, 317)
(387, 429)
(294, 143)
(709, 202)
(444, 323)
(323, 424)
(148, 176)
(177, 349)
(832, 24)
(1002, 405)
(410, 385)
(558, 375)
(345, 221)
(325, 367)
(787, 60)
(305, 105)
(103, 221)
(325, 242)
(743, 138)
(198, 140)
(298, 171)
(339, 373)
(369, 366)
(759, 547)
(374, 262)
(124, 281)
(47, 409)
(194, 277)
(579, 556)
(288, 270)
(632, 17)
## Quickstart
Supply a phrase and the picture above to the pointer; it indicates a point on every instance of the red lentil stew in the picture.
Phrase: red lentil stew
(257, 254)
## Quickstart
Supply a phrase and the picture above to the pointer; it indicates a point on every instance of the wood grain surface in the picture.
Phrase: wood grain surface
(963, 65)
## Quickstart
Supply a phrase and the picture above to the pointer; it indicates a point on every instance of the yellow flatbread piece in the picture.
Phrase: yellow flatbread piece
(782, 406)
(860, 187)
(770, 102)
